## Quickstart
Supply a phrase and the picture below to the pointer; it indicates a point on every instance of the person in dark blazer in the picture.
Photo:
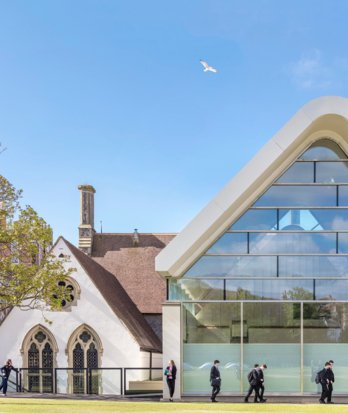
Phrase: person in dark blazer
(5, 372)
(170, 373)
(331, 378)
(215, 380)
(254, 381)
(324, 381)
(262, 381)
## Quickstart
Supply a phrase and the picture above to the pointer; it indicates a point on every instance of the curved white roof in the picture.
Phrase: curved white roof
(323, 117)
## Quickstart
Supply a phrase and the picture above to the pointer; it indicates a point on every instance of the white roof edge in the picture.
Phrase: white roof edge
(280, 151)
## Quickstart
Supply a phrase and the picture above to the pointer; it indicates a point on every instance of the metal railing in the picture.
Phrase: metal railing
(102, 381)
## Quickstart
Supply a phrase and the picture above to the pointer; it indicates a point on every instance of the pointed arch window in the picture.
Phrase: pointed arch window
(84, 352)
(323, 150)
(39, 352)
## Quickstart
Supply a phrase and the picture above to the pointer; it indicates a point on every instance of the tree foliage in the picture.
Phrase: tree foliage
(29, 272)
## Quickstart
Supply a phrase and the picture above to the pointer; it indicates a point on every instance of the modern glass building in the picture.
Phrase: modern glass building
(261, 275)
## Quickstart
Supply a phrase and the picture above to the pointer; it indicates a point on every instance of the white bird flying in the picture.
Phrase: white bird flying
(207, 68)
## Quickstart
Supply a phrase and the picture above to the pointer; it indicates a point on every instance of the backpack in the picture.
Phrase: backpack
(250, 376)
(318, 376)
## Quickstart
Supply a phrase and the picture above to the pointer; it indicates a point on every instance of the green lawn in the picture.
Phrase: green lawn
(75, 406)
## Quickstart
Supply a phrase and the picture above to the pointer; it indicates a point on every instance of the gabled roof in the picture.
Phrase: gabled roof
(134, 267)
(119, 301)
(323, 117)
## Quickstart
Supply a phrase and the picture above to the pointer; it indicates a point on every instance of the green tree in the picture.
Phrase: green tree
(29, 272)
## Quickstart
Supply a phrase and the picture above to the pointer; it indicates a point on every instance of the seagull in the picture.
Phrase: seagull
(207, 68)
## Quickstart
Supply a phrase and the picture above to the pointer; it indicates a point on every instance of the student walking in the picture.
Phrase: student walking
(215, 380)
(262, 380)
(254, 381)
(324, 376)
(170, 373)
(5, 372)
(331, 378)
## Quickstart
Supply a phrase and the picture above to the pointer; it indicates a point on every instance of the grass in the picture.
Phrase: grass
(14, 405)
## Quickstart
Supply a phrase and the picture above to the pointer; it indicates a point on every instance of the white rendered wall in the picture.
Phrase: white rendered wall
(119, 347)
(172, 344)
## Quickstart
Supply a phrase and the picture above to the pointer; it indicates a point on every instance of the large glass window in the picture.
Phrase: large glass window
(272, 335)
(234, 266)
(297, 195)
(325, 337)
(211, 331)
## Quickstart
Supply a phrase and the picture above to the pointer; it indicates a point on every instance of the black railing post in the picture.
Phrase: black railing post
(55, 381)
(121, 381)
(20, 380)
(125, 381)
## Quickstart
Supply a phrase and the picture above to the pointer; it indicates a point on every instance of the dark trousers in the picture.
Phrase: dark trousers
(256, 389)
(324, 391)
(329, 392)
(215, 392)
(4, 385)
(261, 390)
(171, 387)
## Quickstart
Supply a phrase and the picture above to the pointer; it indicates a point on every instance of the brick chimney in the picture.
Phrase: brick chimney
(86, 227)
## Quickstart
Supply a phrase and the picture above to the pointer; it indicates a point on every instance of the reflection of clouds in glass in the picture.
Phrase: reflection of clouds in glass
(234, 266)
(292, 243)
(317, 266)
(339, 224)
(298, 196)
(230, 243)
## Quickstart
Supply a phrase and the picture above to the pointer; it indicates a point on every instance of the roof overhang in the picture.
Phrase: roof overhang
(323, 117)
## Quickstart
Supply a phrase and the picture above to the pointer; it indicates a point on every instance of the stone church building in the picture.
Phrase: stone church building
(113, 319)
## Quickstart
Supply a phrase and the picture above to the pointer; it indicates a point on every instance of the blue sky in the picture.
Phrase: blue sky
(111, 93)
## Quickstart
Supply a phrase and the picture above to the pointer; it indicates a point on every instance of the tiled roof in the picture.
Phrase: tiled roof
(134, 267)
(119, 301)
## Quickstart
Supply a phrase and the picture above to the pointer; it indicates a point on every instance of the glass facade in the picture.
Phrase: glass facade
(274, 287)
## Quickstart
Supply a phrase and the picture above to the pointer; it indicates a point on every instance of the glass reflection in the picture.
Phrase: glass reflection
(292, 243)
(343, 244)
(248, 266)
(299, 172)
(331, 172)
(323, 150)
(313, 219)
(331, 290)
(297, 195)
(276, 289)
(191, 289)
(230, 243)
(343, 195)
(257, 219)
(272, 335)
(313, 266)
